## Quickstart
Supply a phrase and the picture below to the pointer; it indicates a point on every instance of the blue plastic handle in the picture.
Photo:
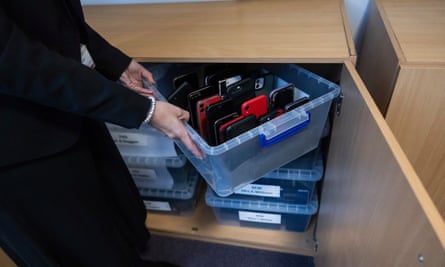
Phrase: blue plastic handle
(264, 142)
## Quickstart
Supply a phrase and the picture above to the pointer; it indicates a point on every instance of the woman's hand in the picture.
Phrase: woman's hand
(133, 76)
(169, 119)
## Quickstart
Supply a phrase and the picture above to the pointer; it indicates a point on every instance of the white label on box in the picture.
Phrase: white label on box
(260, 190)
(259, 217)
(157, 205)
(132, 139)
(143, 173)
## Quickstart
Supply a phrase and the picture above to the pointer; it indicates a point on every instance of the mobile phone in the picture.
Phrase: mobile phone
(240, 87)
(223, 127)
(281, 96)
(219, 75)
(223, 84)
(219, 122)
(192, 100)
(256, 106)
(211, 69)
(241, 91)
(216, 111)
(263, 82)
(240, 126)
(270, 116)
(179, 96)
(259, 83)
(201, 111)
(295, 104)
(191, 78)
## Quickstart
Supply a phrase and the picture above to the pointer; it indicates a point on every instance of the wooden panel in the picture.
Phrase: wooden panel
(5, 261)
(419, 28)
(232, 31)
(378, 60)
(203, 226)
(348, 34)
(416, 115)
(374, 210)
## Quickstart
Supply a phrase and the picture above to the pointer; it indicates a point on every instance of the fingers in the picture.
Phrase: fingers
(169, 119)
(188, 142)
(148, 75)
(180, 133)
(134, 76)
(184, 115)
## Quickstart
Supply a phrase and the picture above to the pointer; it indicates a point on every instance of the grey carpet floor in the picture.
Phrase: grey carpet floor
(192, 253)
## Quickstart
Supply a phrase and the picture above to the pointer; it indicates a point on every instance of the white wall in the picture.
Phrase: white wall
(357, 12)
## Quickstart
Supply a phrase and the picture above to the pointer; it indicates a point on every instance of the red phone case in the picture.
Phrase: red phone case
(201, 108)
(256, 106)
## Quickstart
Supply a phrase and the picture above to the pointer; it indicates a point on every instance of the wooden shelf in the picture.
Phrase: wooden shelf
(227, 31)
(203, 226)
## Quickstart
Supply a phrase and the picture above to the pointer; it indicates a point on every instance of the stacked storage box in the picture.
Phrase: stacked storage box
(167, 182)
(284, 199)
(181, 199)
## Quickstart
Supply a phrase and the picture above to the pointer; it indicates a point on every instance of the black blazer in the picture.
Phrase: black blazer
(45, 92)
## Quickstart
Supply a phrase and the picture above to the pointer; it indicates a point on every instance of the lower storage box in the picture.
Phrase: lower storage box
(236, 211)
(179, 200)
(158, 177)
(292, 183)
(146, 147)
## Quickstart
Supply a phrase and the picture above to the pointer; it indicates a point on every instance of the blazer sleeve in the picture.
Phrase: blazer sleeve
(109, 60)
(31, 71)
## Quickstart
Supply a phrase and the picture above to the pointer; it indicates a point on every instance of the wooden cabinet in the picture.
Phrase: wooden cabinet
(374, 211)
(402, 62)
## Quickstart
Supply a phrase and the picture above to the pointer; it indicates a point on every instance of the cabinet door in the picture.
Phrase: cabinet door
(374, 210)
(416, 116)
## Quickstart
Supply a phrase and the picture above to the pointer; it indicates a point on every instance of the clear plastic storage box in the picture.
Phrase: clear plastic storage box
(180, 200)
(158, 177)
(146, 147)
(242, 160)
(293, 183)
(238, 211)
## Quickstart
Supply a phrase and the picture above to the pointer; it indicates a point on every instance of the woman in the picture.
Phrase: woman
(66, 197)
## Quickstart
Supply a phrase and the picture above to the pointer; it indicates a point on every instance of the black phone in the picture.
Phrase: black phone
(214, 78)
(219, 122)
(179, 96)
(270, 116)
(191, 78)
(263, 82)
(211, 69)
(281, 96)
(241, 91)
(240, 126)
(227, 82)
(216, 111)
(295, 104)
(192, 100)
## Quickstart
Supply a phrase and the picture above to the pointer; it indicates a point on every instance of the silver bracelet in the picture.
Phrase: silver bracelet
(151, 111)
